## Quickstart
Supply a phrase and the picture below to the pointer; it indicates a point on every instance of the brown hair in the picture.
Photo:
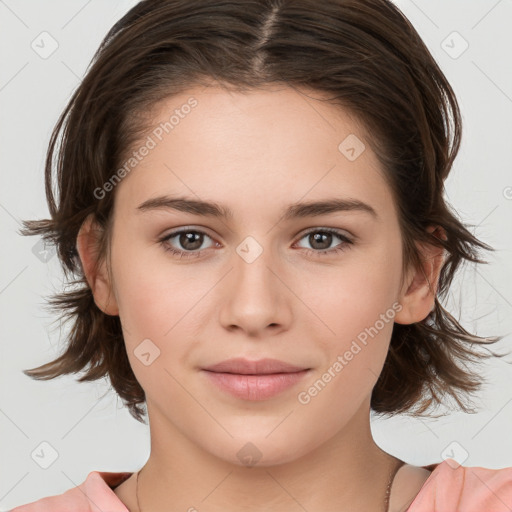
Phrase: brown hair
(370, 61)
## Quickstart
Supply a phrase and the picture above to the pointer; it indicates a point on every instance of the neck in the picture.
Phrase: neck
(349, 472)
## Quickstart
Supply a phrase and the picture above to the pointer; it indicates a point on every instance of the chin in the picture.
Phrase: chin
(258, 451)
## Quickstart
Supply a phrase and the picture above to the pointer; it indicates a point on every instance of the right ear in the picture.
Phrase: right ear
(87, 246)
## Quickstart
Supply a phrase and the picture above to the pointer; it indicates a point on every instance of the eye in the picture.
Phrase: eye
(322, 238)
(190, 239)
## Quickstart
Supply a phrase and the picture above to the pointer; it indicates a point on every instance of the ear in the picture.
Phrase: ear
(87, 246)
(418, 295)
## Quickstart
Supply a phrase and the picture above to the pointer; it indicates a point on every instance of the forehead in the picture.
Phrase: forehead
(254, 148)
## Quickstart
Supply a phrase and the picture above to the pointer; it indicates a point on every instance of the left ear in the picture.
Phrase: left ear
(418, 296)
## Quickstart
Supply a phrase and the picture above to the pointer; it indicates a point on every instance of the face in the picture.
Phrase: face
(317, 288)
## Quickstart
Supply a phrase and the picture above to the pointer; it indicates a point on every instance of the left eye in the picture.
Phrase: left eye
(324, 238)
(191, 240)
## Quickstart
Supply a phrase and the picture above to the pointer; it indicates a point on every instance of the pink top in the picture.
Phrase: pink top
(449, 488)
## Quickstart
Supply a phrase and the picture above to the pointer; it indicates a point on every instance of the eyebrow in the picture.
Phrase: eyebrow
(292, 211)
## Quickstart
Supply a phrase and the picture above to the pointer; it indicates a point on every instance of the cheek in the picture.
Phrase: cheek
(153, 293)
(356, 308)
(354, 348)
(354, 295)
(155, 304)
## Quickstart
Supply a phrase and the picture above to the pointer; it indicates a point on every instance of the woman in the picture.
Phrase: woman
(252, 196)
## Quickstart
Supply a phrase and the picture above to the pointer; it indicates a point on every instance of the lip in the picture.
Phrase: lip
(254, 380)
(244, 366)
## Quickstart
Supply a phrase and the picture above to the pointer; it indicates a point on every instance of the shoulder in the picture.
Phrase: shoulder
(407, 483)
(95, 491)
(452, 487)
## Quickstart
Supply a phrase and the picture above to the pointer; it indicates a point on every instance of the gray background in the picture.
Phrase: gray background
(86, 423)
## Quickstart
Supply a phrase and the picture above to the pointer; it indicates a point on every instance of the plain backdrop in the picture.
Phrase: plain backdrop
(81, 427)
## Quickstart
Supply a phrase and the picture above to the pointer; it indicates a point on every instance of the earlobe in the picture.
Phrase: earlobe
(419, 297)
(87, 245)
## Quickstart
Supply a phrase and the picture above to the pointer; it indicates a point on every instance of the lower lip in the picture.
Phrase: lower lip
(255, 387)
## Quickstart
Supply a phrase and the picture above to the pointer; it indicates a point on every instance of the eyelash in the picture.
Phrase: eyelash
(310, 252)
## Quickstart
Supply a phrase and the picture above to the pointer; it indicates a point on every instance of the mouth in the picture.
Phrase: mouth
(254, 380)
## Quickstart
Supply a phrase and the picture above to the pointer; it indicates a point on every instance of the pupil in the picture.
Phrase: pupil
(191, 238)
(317, 237)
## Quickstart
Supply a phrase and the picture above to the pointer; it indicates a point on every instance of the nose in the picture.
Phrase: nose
(255, 296)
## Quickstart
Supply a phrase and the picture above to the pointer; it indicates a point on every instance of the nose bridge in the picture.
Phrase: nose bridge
(252, 264)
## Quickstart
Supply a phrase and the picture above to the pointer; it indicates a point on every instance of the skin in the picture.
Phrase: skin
(256, 153)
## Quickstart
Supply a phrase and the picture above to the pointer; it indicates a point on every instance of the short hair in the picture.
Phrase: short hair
(367, 58)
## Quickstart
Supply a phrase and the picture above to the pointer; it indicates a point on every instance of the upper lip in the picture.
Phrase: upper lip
(260, 367)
